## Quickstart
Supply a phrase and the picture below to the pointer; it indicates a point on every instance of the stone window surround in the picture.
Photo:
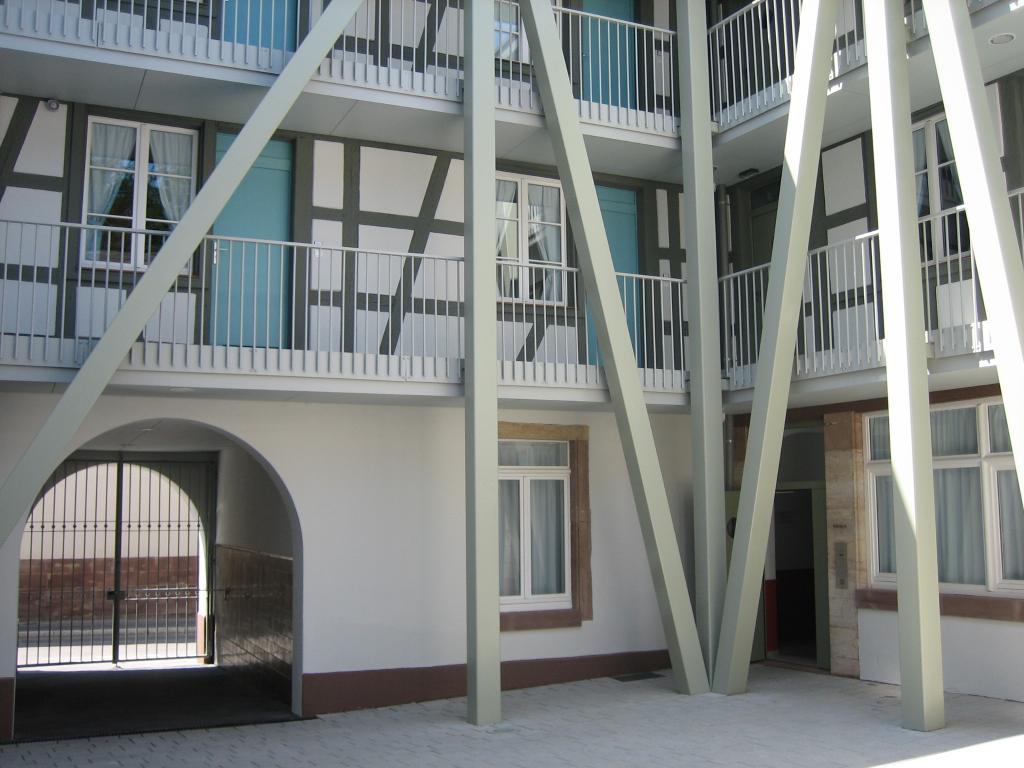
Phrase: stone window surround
(579, 528)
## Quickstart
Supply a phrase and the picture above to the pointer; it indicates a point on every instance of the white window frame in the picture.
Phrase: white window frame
(526, 600)
(936, 214)
(989, 462)
(141, 177)
(523, 256)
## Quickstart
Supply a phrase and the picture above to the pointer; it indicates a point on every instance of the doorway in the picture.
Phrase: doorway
(796, 586)
(114, 563)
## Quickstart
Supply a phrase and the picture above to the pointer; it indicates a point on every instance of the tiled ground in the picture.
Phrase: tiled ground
(792, 719)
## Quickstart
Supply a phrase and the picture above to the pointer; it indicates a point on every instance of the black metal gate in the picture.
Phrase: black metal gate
(115, 561)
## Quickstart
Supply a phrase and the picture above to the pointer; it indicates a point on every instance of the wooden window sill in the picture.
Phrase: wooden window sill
(512, 621)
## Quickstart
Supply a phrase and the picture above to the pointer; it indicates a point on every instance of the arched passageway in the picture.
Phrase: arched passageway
(156, 588)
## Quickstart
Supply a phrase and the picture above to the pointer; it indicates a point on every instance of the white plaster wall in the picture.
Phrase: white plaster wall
(250, 512)
(379, 493)
(979, 656)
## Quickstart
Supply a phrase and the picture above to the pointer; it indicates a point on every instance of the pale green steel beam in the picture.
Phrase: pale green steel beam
(906, 369)
(620, 367)
(778, 342)
(994, 243)
(483, 639)
(53, 440)
(704, 360)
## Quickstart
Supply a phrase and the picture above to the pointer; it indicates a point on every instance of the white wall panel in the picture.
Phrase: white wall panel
(43, 152)
(391, 181)
(979, 656)
(385, 239)
(842, 169)
(328, 174)
(451, 206)
(35, 205)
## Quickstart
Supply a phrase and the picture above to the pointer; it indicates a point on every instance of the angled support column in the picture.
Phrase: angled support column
(917, 578)
(778, 342)
(641, 454)
(993, 241)
(704, 360)
(483, 647)
(52, 441)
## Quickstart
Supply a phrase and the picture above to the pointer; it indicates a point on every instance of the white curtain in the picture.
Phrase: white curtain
(954, 432)
(172, 153)
(1011, 524)
(508, 503)
(884, 508)
(113, 147)
(878, 437)
(547, 536)
(961, 530)
(999, 430)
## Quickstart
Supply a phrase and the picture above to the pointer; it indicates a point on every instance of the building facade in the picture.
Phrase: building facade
(276, 472)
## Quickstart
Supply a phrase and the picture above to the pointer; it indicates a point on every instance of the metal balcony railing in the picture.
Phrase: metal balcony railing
(841, 321)
(751, 53)
(260, 306)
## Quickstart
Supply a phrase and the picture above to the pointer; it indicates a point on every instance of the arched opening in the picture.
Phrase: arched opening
(157, 587)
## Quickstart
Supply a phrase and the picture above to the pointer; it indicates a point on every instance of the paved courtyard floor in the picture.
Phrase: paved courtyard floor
(789, 718)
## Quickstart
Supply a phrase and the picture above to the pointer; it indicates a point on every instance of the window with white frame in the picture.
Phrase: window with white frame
(530, 246)
(534, 504)
(941, 234)
(979, 515)
(138, 176)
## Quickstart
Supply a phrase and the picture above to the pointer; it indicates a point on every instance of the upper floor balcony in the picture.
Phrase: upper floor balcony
(842, 323)
(261, 314)
(410, 52)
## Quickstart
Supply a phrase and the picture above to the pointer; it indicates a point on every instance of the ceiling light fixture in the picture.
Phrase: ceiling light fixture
(1002, 38)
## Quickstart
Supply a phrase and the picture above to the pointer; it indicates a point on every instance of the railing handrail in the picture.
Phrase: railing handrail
(621, 22)
(668, 279)
(734, 15)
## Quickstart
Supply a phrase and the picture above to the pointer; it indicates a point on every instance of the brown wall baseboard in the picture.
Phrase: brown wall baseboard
(343, 691)
(6, 709)
(963, 606)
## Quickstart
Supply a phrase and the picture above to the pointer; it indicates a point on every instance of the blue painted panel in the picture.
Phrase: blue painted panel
(251, 282)
(618, 209)
(267, 23)
(609, 54)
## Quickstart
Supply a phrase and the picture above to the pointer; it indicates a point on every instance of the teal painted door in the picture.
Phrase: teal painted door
(251, 301)
(618, 209)
(265, 23)
(609, 50)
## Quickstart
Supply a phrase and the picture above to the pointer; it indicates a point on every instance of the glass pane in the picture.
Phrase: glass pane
(950, 195)
(1011, 524)
(170, 153)
(886, 524)
(546, 243)
(943, 146)
(519, 453)
(507, 195)
(510, 560)
(998, 429)
(547, 536)
(167, 198)
(923, 205)
(961, 530)
(112, 192)
(878, 436)
(955, 432)
(108, 246)
(113, 146)
(508, 281)
(920, 151)
(545, 204)
(507, 247)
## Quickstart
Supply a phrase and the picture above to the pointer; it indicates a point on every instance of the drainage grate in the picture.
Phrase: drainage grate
(634, 676)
